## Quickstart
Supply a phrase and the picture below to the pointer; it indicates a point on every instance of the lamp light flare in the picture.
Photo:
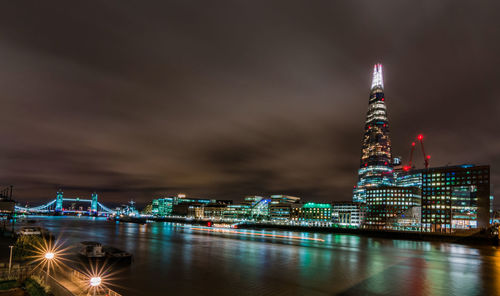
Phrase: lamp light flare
(49, 255)
(95, 281)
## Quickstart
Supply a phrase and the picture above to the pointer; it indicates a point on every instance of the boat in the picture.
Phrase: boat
(95, 250)
(130, 219)
(91, 250)
(116, 254)
(33, 230)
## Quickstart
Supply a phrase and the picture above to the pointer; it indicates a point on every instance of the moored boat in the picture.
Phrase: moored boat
(91, 250)
(113, 253)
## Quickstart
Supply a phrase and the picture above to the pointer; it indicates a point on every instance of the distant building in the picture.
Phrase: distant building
(455, 197)
(180, 206)
(214, 211)
(236, 212)
(196, 211)
(280, 207)
(386, 205)
(348, 213)
(312, 214)
(162, 206)
(258, 208)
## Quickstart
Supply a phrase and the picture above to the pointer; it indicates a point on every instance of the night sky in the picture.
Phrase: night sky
(226, 99)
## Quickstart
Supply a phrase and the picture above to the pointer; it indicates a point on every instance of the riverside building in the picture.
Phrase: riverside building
(387, 206)
(455, 198)
(312, 214)
(280, 208)
(348, 213)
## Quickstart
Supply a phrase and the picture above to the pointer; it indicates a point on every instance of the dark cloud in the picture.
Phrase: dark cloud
(224, 99)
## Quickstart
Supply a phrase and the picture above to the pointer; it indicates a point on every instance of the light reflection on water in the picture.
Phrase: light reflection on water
(176, 259)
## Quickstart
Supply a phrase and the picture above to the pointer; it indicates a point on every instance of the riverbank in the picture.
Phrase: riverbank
(476, 238)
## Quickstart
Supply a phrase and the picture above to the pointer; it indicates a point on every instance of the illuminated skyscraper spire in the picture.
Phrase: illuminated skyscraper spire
(375, 166)
(378, 79)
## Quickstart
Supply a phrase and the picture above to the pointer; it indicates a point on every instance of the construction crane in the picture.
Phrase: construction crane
(420, 138)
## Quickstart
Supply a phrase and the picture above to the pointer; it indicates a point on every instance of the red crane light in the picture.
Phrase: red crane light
(420, 137)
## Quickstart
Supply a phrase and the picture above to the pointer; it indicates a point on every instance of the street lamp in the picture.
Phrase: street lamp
(10, 258)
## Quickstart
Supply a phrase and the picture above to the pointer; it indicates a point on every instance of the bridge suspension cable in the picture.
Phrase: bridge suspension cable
(105, 208)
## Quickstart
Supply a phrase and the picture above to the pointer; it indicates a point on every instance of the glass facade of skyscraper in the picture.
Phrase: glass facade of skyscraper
(376, 158)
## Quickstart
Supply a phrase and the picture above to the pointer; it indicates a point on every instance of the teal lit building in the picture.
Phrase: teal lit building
(162, 206)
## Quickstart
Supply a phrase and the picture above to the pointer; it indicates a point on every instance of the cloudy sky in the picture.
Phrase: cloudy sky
(226, 99)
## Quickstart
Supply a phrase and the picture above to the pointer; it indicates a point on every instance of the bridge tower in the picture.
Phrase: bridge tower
(59, 201)
(93, 203)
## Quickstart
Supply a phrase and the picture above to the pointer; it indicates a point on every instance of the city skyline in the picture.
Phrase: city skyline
(148, 114)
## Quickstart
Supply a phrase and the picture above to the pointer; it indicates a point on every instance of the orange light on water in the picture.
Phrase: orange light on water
(257, 234)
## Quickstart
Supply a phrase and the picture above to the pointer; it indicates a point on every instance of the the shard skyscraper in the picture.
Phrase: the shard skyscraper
(376, 158)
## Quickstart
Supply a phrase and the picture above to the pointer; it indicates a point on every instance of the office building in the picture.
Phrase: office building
(348, 213)
(312, 214)
(280, 207)
(386, 205)
(455, 198)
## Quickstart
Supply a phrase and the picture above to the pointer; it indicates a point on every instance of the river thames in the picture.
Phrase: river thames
(188, 260)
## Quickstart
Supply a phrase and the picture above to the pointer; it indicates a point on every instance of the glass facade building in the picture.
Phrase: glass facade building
(455, 197)
(387, 205)
(376, 157)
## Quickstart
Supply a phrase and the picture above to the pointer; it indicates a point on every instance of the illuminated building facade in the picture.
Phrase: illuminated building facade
(214, 211)
(258, 207)
(376, 157)
(348, 213)
(411, 178)
(162, 206)
(386, 205)
(236, 212)
(180, 205)
(312, 214)
(455, 197)
(280, 207)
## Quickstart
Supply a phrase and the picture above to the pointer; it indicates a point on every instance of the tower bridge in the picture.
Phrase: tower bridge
(56, 206)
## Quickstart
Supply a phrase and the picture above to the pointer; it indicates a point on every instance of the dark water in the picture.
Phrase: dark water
(178, 260)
